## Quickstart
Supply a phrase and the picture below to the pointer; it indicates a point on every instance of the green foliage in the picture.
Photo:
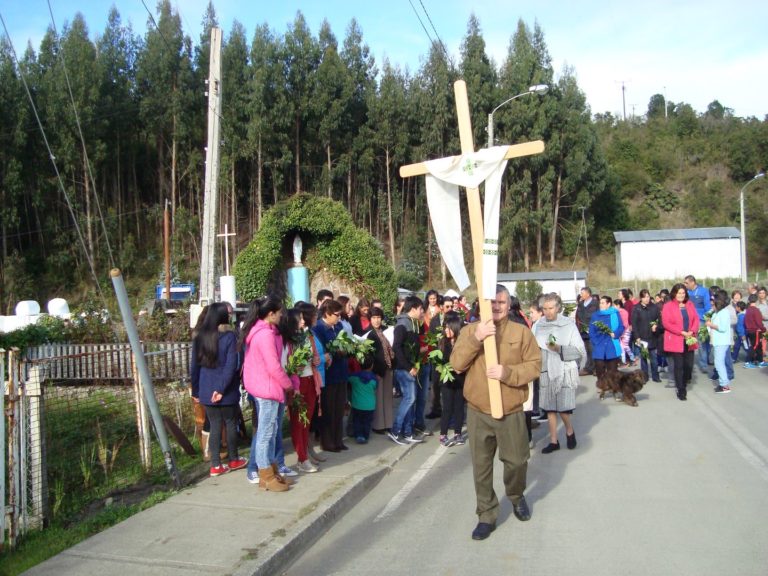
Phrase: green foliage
(331, 241)
(527, 291)
(661, 198)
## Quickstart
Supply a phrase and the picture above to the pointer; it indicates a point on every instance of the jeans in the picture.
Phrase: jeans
(403, 424)
(721, 352)
(422, 395)
(263, 443)
(654, 365)
(703, 355)
(279, 451)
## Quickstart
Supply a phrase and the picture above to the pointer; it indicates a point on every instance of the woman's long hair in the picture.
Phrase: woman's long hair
(258, 310)
(207, 340)
(289, 326)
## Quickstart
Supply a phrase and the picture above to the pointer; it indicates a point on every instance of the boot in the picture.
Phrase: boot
(204, 445)
(268, 481)
(284, 479)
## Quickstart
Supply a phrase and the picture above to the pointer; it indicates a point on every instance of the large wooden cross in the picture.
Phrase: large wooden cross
(476, 225)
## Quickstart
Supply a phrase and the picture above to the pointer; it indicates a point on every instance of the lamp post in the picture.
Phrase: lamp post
(536, 89)
(743, 231)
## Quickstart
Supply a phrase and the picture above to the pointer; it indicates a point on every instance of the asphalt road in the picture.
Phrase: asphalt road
(668, 487)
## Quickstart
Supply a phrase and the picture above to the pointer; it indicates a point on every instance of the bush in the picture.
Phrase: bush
(527, 291)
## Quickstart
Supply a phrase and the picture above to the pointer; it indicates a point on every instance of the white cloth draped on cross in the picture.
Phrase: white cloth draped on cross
(444, 177)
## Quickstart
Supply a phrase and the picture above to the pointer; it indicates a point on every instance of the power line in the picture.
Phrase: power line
(445, 51)
(420, 22)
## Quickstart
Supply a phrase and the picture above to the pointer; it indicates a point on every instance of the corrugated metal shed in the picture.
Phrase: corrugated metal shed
(677, 234)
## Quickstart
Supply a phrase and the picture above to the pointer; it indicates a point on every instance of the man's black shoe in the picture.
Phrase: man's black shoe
(521, 510)
(482, 530)
(433, 415)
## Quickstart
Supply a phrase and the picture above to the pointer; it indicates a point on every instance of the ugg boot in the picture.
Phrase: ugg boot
(268, 481)
(284, 479)
(204, 445)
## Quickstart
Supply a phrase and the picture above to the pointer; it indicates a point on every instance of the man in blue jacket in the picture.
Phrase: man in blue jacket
(701, 299)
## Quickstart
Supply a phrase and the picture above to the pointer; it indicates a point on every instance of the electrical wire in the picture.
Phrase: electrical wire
(420, 22)
(445, 51)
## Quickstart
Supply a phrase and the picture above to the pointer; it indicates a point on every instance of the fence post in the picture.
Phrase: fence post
(2, 448)
(34, 503)
(13, 446)
(142, 423)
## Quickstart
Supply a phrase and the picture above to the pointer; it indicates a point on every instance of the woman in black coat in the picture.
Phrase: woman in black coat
(646, 332)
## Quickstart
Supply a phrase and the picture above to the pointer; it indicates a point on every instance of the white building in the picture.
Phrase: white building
(565, 284)
(675, 253)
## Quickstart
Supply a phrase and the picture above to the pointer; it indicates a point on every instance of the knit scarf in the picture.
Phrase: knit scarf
(388, 353)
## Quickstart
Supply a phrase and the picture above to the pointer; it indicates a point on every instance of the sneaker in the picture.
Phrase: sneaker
(285, 471)
(361, 440)
(722, 390)
(459, 439)
(396, 438)
(219, 470)
(238, 464)
(750, 365)
(252, 477)
(422, 432)
(447, 442)
(542, 417)
(307, 467)
(763, 364)
(413, 440)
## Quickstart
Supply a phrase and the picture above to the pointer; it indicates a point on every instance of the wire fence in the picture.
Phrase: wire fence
(79, 439)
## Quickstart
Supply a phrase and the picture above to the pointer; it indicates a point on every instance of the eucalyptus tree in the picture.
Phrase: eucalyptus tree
(387, 126)
(163, 76)
(269, 120)
(357, 157)
(332, 91)
(235, 76)
(117, 50)
(13, 137)
(479, 73)
(525, 214)
(301, 58)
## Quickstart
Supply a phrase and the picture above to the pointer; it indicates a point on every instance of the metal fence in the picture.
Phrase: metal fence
(77, 430)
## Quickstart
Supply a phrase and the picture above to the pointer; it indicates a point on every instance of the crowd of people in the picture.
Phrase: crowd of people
(430, 355)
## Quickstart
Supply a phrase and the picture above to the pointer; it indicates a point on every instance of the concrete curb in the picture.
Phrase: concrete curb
(283, 549)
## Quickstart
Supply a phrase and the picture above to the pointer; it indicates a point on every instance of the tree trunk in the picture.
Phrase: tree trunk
(174, 147)
(349, 191)
(259, 180)
(555, 215)
(389, 213)
(298, 157)
(539, 235)
(328, 164)
(88, 215)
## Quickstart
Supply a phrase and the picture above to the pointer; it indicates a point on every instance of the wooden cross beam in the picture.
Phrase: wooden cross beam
(476, 225)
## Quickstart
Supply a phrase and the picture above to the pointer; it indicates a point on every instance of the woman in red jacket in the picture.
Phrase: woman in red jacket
(681, 324)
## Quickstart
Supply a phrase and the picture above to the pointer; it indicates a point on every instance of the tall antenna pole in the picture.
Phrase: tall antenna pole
(624, 100)
(211, 203)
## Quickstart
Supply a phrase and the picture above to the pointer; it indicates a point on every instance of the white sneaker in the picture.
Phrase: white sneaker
(307, 467)
(414, 440)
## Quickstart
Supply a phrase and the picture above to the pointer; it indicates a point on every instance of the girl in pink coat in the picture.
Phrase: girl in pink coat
(265, 378)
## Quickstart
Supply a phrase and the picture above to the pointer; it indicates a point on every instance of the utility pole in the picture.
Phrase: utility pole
(624, 100)
(167, 250)
(586, 234)
(211, 199)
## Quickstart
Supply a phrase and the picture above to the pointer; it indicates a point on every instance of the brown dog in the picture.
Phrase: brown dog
(628, 383)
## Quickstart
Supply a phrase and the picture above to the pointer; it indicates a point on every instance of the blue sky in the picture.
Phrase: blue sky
(693, 52)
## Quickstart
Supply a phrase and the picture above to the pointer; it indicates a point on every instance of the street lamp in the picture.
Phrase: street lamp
(536, 89)
(743, 232)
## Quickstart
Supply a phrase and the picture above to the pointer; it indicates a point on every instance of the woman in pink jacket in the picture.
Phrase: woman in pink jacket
(681, 323)
(265, 378)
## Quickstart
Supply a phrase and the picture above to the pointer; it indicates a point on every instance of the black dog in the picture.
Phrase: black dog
(628, 383)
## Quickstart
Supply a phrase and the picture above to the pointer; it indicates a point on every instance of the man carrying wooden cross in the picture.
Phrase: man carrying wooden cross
(499, 357)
